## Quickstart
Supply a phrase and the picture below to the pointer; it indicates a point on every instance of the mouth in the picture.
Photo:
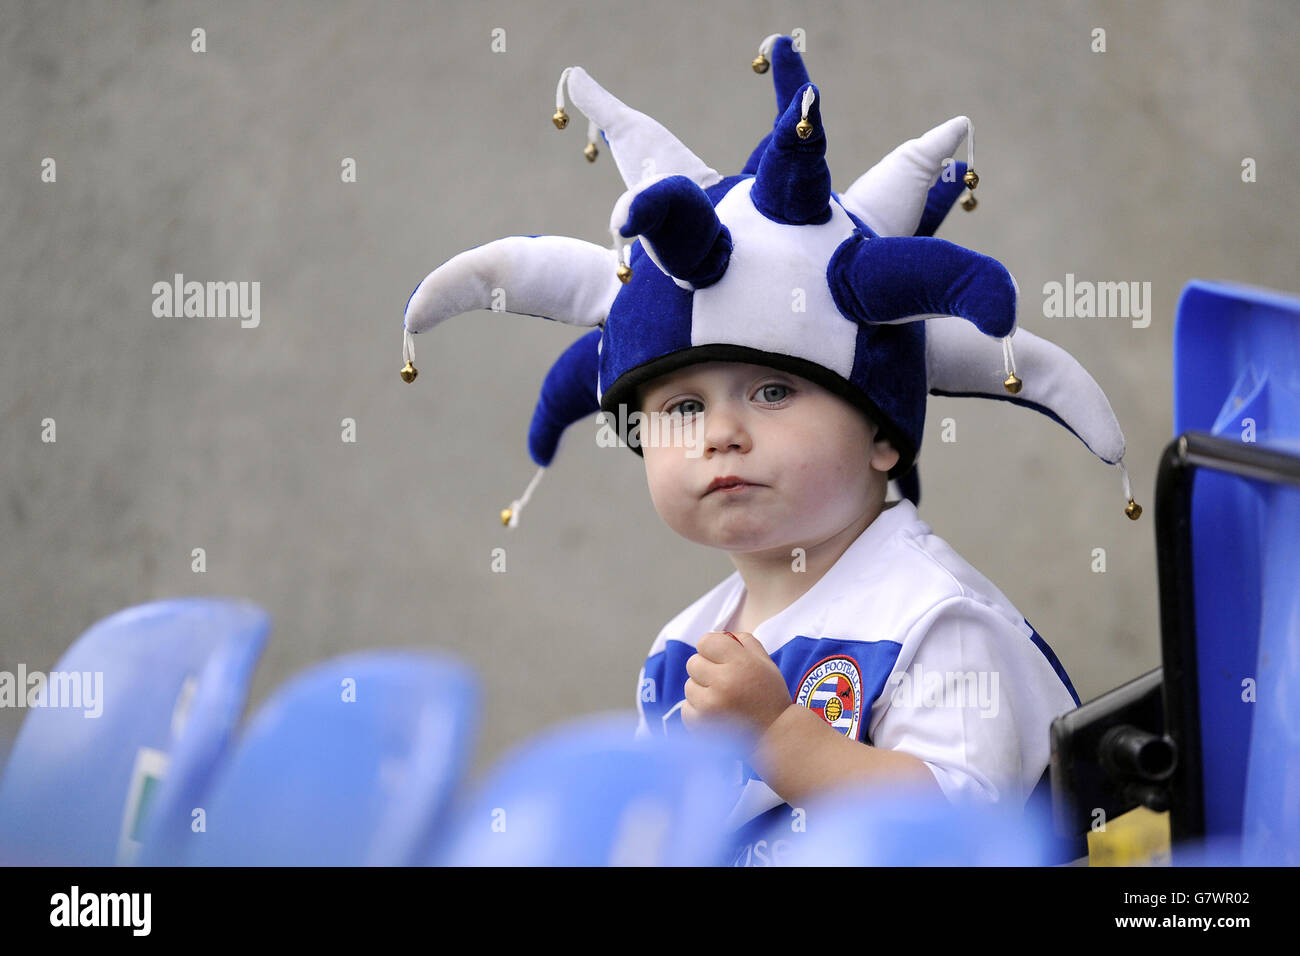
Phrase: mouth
(730, 484)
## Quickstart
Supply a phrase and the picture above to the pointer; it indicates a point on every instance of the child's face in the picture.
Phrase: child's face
(800, 448)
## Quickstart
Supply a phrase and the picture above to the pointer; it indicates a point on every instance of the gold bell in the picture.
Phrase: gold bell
(409, 372)
(561, 118)
(624, 273)
(971, 179)
(505, 517)
(969, 202)
(1012, 384)
(1133, 509)
(760, 64)
(591, 152)
(804, 129)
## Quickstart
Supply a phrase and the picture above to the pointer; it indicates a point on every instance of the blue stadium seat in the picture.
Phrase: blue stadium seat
(169, 680)
(901, 828)
(1236, 362)
(352, 762)
(588, 794)
(1214, 852)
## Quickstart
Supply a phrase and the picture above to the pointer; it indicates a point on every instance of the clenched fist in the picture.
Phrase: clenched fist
(733, 678)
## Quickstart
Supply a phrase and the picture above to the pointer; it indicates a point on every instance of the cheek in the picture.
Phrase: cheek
(821, 481)
(828, 470)
(662, 479)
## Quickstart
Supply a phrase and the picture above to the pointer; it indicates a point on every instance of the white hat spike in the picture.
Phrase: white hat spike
(641, 146)
(890, 196)
(959, 359)
(556, 277)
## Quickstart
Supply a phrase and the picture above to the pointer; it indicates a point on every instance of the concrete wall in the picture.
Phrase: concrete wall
(175, 434)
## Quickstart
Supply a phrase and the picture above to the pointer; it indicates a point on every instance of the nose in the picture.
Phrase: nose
(724, 429)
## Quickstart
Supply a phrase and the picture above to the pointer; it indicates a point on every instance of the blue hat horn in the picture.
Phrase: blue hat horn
(793, 184)
(680, 231)
(893, 279)
(789, 76)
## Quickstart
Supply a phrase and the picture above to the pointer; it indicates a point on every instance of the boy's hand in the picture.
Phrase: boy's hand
(733, 677)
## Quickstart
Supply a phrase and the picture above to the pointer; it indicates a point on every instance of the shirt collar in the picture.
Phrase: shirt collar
(893, 517)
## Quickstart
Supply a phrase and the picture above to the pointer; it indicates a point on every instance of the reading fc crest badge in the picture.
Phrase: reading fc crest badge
(833, 691)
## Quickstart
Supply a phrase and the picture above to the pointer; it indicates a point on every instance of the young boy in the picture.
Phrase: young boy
(782, 339)
(853, 623)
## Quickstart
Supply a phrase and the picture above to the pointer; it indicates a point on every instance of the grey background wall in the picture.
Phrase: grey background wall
(175, 433)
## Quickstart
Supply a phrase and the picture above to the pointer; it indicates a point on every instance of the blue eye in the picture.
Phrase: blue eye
(776, 385)
(676, 408)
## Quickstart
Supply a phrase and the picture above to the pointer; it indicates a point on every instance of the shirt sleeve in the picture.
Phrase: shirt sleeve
(974, 701)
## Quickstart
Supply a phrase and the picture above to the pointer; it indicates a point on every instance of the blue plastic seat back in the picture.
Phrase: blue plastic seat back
(901, 828)
(1214, 852)
(352, 762)
(588, 794)
(161, 687)
(1237, 375)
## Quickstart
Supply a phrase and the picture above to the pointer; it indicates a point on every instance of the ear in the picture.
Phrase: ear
(884, 455)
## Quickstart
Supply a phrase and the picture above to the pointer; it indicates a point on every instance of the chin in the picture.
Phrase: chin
(741, 536)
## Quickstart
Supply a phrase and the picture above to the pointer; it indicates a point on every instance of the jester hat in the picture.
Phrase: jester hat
(771, 267)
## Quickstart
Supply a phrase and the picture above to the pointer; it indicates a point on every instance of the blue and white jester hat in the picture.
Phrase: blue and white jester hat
(706, 267)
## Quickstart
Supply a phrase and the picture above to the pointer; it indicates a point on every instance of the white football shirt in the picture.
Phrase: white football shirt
(903, 645)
